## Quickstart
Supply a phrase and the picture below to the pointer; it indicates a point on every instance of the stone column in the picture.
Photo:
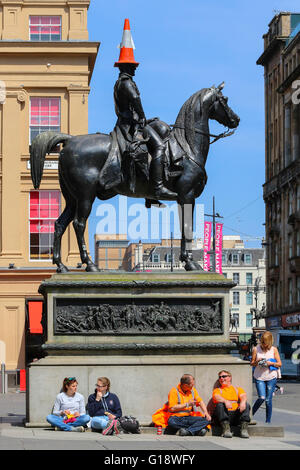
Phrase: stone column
(11, 231)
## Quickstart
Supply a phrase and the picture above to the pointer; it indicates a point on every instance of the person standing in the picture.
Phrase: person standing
(267, 362)
(69, 409)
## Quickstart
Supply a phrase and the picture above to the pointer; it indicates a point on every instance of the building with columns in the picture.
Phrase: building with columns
(46, 65)
(281, 62)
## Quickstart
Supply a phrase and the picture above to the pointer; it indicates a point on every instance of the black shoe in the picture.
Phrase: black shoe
(202, 432)
(184, 432)
(161, 192)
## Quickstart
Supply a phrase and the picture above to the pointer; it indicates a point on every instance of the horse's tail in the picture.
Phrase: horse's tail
(41, 145)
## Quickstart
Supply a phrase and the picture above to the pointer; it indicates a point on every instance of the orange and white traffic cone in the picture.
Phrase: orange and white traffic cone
(126, 46)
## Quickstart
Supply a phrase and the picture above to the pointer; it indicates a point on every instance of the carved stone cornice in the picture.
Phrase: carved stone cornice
(89, 348)
(286, 176)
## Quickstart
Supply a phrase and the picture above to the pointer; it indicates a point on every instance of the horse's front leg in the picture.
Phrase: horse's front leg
(79, 223)
(186, 215)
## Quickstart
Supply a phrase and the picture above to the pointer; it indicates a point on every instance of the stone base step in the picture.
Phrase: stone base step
(254, 431)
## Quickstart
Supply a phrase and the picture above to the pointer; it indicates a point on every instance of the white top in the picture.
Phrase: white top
(261, 372)
(64, 402)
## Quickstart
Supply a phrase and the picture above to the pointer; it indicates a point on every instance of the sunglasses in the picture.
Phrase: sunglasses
(223, 376)
(69, 379)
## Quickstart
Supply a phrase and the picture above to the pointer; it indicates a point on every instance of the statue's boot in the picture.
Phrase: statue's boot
(154, 202)
(156, 174)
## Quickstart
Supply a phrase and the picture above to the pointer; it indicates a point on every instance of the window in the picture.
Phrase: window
(224, 258)
(249, 298)
(298, 244)
(248, 258)
(248, 320)
(249, 279)
(235, 258)
(236, 298)
(169, 258)
(44, 115)
(290, 245)
(298, 289)
(44, 209)
(225, 275)
(155, 258)
(45, 28)
(298, 198)
(290, 286)
(236, 278)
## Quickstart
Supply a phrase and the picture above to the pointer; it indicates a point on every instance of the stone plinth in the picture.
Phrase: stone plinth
(142, 330)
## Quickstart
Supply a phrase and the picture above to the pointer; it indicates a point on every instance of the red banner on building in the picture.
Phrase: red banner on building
(218, 247)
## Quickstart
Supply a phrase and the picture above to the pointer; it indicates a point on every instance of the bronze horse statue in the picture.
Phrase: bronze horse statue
(82, 159)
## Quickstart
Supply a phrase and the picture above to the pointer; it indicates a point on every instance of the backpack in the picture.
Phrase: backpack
(130, 425)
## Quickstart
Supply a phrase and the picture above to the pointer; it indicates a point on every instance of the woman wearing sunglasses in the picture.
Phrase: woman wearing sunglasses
(69, 409)
(104, 408)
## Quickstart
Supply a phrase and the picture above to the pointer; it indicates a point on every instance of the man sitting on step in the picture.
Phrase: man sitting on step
(182, 401)
(231, 406)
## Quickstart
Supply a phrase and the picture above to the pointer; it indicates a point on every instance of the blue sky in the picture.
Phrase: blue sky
(183, 47)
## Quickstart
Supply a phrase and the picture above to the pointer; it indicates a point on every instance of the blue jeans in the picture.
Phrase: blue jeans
(99, 422)
(265, 389)
(58, 421)
(193, 424)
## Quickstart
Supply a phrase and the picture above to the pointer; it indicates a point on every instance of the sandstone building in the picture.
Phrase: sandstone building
(46, 64)
(281, 62)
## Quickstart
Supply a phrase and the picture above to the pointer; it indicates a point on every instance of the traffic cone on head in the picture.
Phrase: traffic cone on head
(126, 46)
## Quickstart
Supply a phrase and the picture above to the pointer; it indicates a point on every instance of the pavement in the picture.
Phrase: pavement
(286, 413)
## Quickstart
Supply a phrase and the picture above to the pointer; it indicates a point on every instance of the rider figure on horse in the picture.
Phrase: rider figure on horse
(131, 117)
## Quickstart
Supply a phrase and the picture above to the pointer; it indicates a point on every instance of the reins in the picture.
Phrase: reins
(227, 133)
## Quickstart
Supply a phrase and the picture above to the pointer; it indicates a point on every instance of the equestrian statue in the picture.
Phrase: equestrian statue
(140, 158)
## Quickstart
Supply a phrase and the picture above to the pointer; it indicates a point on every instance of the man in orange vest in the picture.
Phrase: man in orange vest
(231, 406)
(182, 401)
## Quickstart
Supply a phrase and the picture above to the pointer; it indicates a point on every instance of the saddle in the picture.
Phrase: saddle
(125, 159)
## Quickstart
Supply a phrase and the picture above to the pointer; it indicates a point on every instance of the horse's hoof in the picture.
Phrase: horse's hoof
(91, 268)
(62, 269)
(191, 265)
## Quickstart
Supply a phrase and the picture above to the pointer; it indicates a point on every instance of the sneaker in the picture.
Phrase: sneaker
(109, 429)
(202, 432)
(117, 427)
(281, 390)
(77, 429)
(184, 432)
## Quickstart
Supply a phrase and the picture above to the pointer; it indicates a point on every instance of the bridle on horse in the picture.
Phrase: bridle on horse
(227, 133)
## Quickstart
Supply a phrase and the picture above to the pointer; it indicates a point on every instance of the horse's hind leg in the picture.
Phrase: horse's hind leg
(61, 224)
(83, 211)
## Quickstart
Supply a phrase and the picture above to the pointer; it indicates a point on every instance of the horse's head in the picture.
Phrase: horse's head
(218, 109)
